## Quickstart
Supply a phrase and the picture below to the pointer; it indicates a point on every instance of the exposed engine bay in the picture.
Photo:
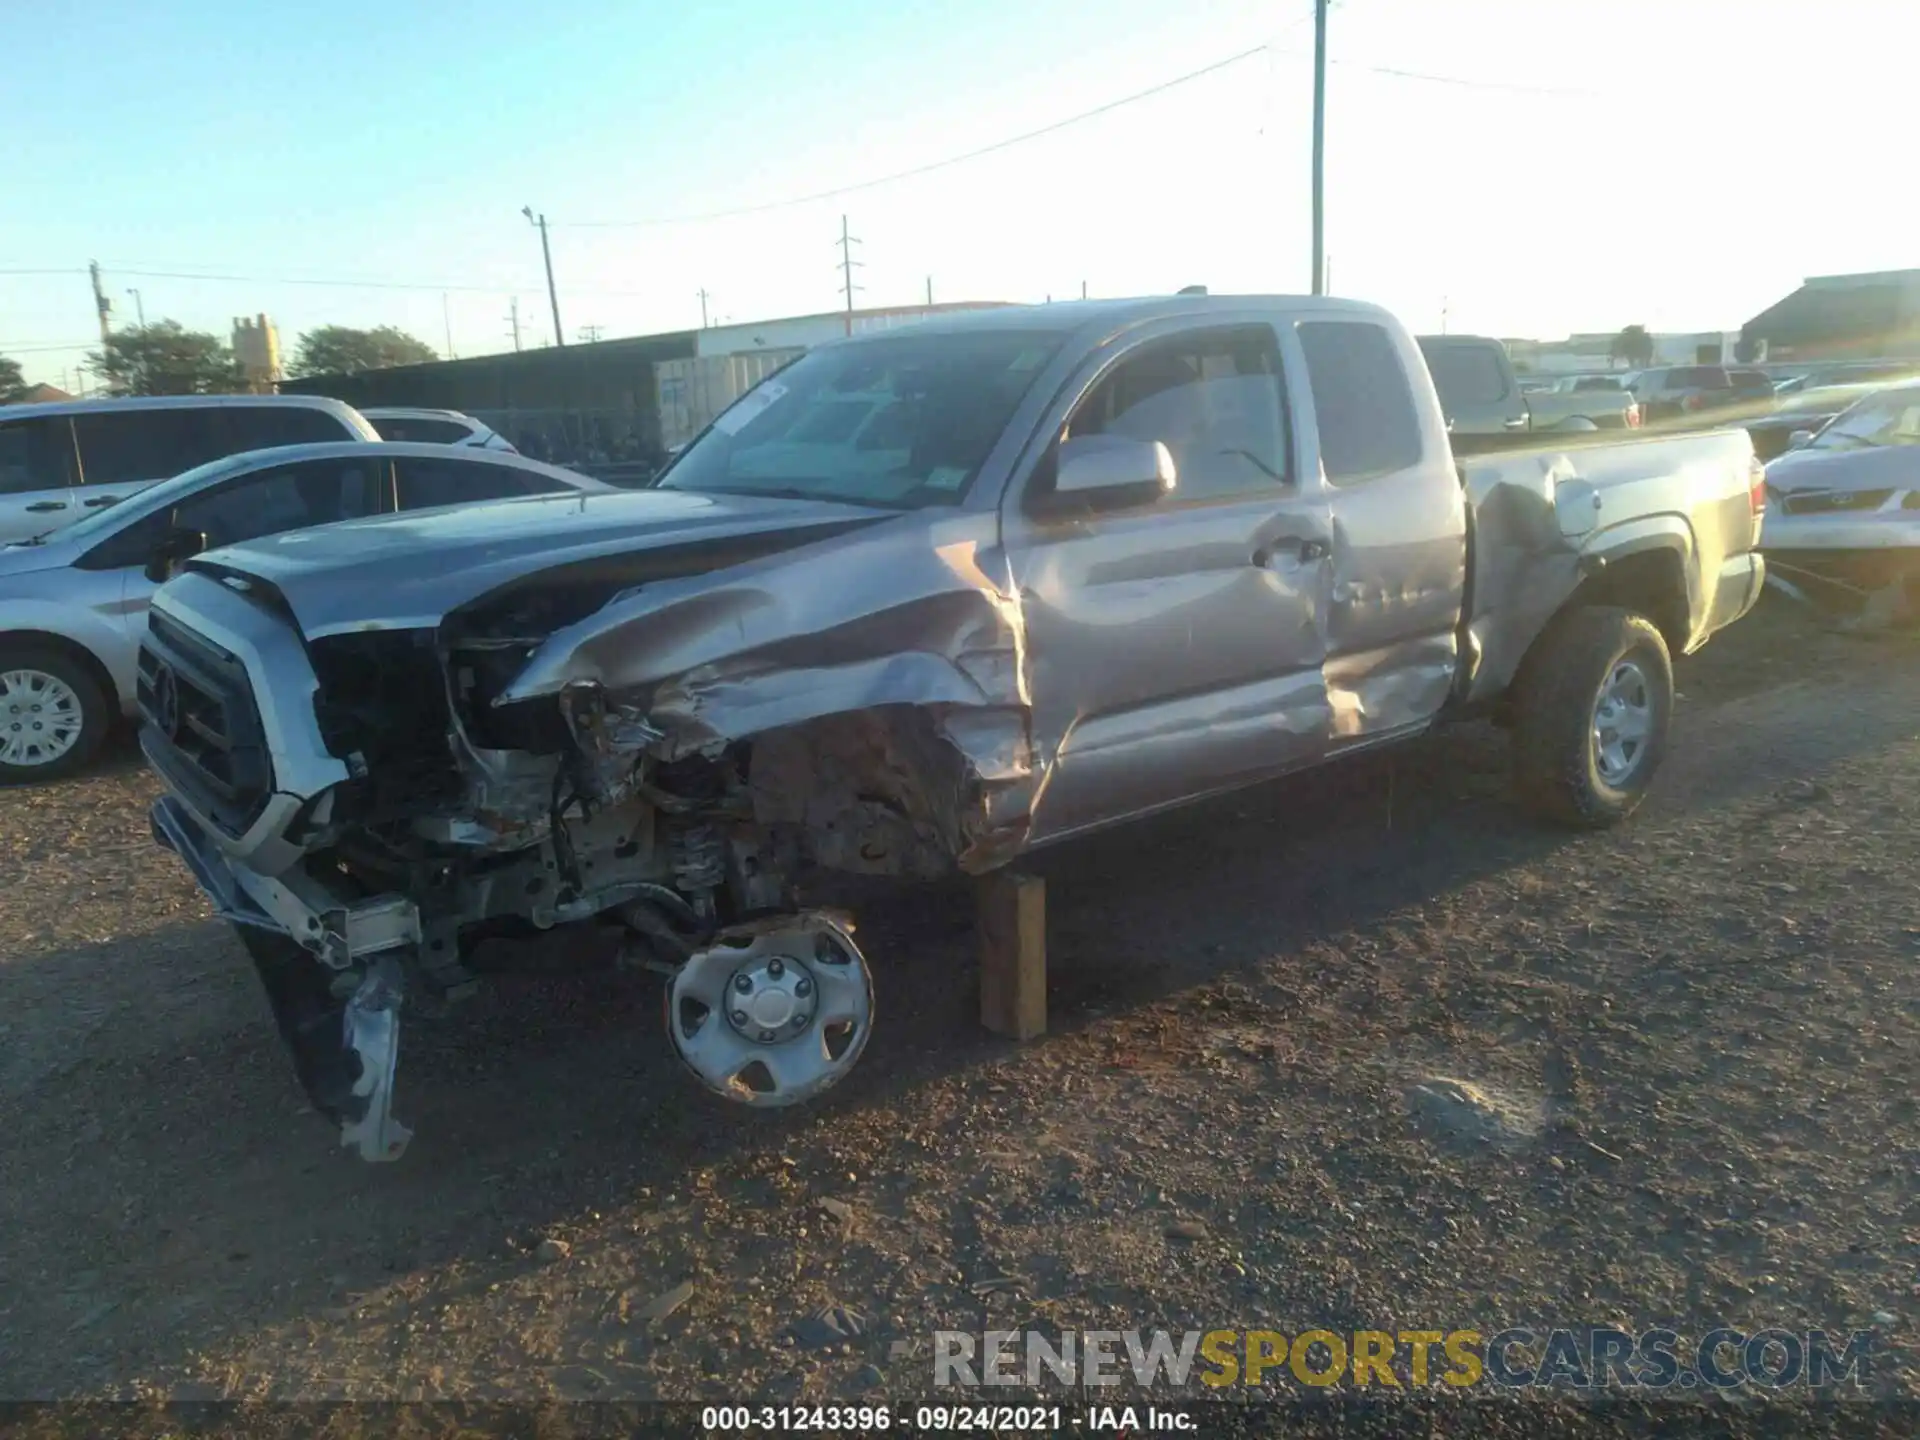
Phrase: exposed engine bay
(677, 811)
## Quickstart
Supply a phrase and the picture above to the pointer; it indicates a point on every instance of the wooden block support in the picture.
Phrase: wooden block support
(1011, 916)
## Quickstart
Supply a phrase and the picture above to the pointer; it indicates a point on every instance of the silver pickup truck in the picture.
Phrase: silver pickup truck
(916, 604)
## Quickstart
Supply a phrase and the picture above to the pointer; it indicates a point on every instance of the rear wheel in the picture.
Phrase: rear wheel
(1591, 708)
(54, 716)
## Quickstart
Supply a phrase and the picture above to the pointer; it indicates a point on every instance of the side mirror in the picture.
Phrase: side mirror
(1111, 472)
(1800, 439)
(175, 547)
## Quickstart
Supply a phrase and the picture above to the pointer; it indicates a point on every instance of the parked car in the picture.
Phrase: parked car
(1752, 390)
(1683, 392)
(1799, 415)
(62, 460)
(434, 427)
(1843, 518)
(1485, 406)
(73, 602)
(1098, 559)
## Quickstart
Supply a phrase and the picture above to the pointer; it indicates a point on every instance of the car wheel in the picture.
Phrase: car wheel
(54, 716)
(1592, 705)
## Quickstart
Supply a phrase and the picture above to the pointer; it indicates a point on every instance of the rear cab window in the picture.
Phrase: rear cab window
(1465, 374)
(1362, 400)
(1698, 377)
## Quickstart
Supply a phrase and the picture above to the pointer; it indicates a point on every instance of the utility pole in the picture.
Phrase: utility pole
(1443, 314)
(446, 319)
(847, 262)
(1083, 289)
(100, 302)
(546, 252)
(1319, 146)
(139, 307)
(929, 290)
(703, 307)
(513, 319)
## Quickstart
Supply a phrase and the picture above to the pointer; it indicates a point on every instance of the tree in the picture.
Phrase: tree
(165, 359)
(12, 383)
(342, 350)
(1634, 346)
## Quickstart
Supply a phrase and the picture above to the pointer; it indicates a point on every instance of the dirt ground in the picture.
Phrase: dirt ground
(1712, 1015)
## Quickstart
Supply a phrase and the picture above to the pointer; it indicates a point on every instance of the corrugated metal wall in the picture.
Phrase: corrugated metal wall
(693, 392)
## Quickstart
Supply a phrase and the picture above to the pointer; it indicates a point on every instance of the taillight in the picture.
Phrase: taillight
(1757, 492)
(1633, 415)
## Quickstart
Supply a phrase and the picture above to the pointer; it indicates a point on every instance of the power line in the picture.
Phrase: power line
(1462, 82)
(1021, 139)
(931, 166)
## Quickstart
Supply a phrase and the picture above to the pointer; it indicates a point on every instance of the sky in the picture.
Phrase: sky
(1679, 164)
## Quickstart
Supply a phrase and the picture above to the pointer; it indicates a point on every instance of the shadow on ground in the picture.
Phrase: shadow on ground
(167, 1190)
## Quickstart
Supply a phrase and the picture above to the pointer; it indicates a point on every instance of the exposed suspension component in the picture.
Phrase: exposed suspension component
(699, 865)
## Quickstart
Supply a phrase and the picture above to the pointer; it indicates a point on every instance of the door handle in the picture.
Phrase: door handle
(43, 506)
(1301, 547)
(102, 500)
(1518, 422)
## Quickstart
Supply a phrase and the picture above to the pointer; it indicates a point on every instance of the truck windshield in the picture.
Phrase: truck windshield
(902, 421)
(1465, 374)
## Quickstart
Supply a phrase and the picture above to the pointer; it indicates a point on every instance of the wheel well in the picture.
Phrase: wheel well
(73, 650)
(1651, 583)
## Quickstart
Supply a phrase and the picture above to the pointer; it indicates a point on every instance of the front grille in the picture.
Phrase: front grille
(200, 725)
(1827, 502)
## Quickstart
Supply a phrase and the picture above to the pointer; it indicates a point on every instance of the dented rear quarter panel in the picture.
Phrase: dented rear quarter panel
(1542, 519)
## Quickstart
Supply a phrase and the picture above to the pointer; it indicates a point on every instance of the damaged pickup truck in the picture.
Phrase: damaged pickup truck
(918, 603)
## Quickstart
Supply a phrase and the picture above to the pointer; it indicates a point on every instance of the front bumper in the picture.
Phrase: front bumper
(342, 1027)
(339, 931)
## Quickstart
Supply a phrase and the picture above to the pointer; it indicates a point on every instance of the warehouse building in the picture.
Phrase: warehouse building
(1871, 316)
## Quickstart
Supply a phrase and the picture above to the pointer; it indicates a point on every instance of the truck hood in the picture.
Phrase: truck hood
(407, 571)
(1885, 467)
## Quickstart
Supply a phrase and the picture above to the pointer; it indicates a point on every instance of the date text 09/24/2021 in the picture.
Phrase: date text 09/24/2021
(979, 1419)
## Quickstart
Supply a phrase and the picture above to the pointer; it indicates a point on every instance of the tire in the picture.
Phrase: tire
(310, 1019)
(65, 688)
(1562, 771)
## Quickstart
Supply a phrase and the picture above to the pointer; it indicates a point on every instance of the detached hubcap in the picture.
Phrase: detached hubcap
(1622, 723)
(40, 718)
(774, 1013)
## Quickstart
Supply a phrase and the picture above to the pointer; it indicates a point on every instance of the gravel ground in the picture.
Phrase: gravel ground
(1701, 1031)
